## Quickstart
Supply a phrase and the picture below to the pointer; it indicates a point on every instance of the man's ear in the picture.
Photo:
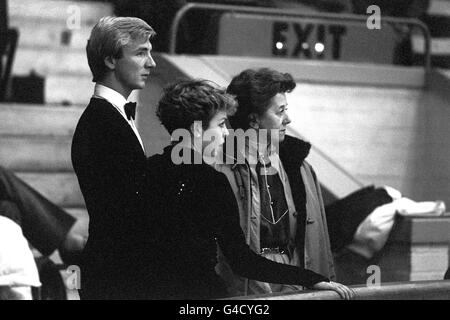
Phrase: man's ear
(253, 121)
(196, 129)
(110, 63)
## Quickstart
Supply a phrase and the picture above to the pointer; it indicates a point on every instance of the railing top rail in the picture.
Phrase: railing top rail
(343, 18)
(414, 290)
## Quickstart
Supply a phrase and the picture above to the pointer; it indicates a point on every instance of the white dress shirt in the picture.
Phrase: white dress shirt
(118, 101)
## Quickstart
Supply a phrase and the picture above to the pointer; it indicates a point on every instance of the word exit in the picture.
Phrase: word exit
(311, 41)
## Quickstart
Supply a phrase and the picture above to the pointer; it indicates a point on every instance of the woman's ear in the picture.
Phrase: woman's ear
(110, 63)
(253, 121)
(196, 129)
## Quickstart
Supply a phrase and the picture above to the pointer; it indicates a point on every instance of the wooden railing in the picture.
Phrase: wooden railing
(418, 290)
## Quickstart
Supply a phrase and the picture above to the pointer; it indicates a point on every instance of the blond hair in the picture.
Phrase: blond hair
(109, 36)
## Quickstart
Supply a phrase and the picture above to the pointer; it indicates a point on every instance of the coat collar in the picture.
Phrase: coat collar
(293, 151)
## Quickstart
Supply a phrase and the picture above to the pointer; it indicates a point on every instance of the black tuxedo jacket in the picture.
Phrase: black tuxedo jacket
(110, 165)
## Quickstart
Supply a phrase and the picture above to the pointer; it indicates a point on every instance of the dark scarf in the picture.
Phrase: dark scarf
(293, 152)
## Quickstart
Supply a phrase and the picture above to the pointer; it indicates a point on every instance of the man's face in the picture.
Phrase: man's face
(275, 118)
(133, 68)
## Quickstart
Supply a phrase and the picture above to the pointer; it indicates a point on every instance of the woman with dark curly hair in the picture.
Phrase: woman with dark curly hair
(193, 208)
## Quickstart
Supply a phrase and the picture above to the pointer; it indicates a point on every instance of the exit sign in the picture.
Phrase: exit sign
(242, 34)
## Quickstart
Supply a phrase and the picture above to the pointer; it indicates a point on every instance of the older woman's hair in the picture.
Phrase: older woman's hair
(253, 90)
(186, 101)
(109, 36)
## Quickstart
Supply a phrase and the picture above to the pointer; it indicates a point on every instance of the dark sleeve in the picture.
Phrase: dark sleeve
(120, 161)
(242, 259)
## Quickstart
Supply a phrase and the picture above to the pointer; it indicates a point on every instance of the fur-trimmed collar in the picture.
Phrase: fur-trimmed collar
(293, 151)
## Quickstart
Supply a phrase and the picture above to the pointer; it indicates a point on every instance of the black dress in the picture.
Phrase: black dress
(193, 210)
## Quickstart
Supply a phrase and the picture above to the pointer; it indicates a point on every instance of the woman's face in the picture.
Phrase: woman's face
(275, 119)
(214, 136)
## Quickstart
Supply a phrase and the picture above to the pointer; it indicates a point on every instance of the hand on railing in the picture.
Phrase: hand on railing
(344, 291)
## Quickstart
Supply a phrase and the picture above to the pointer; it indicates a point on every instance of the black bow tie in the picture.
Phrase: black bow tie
(130, 110)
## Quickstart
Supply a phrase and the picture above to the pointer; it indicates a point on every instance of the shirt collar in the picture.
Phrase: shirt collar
(110, 95)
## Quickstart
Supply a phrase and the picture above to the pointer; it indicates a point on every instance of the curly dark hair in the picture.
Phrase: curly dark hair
(186, 101)
(254, 89)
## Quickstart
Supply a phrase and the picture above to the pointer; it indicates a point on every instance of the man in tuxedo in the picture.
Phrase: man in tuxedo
(109, 160)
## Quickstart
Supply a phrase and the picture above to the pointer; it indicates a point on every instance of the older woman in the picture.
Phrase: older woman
(193, 208)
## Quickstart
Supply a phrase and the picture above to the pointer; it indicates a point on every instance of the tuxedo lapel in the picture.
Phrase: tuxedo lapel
(113, 118)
